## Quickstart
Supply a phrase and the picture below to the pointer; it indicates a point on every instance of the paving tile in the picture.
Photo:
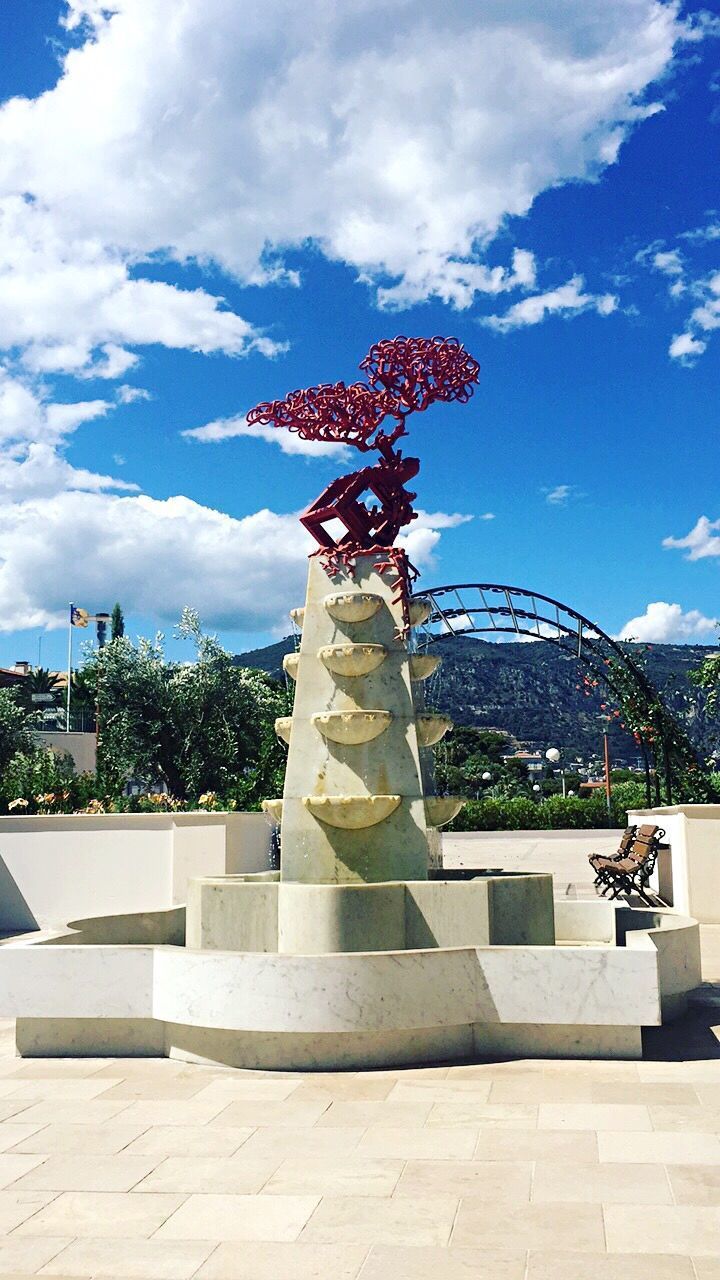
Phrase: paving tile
(96, 1111)
(294, 1261)
(349, 1088)
(18, 1107)
(101, 1213)
(187, 1140)
(580, 1147)
(695, 1184)
(68, 1139)
(247, 1089)
(65, 1089)
(707, 1268)
(604, 1266)
(144, 1259)
(486, 1180)
(229, 1217)
(156, 1111)
(236, 1174)
(682, 1229)
(255, 1112)
(13, 1167)
(667, 1148)
(28, 1255)
(407, 1220)
(170, 1089)
(471, 1091)
(12, 1134)
(651, 1095)
(696, 1118)
(86, 1172)
(600, 1116)
(18, 1205)
(353, 1176)
(530, 1089)
(442, 1264)
(468, 1111)
(485, 1225)
(419, 1144)
(600, 1183)
(288, 1142)
(50, 1068)
(396, 1115)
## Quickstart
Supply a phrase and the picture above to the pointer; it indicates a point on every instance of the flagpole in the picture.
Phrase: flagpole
(69, 669)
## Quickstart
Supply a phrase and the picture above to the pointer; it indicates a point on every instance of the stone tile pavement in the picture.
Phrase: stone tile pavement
(524, 1170)
(521, 1170)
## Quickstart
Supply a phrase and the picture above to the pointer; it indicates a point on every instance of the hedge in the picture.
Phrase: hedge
(556, 813)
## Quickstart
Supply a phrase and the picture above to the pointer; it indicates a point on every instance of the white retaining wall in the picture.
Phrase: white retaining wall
(66, 867)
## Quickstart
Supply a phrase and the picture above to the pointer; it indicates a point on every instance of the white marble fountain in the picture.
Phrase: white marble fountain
(352, 954)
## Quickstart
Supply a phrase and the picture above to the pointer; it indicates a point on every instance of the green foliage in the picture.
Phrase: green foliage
(198, 727)
(117, 623)
(15, 728)
(41, 781)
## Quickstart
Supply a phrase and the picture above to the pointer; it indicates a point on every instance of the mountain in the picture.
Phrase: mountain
(534, 692)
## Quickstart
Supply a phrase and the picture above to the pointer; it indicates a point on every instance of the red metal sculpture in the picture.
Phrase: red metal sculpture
(406, 375)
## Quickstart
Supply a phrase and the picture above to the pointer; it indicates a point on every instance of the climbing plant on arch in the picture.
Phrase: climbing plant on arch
(672, 768)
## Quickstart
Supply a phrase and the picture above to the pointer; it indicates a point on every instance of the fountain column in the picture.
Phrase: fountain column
(353, 807)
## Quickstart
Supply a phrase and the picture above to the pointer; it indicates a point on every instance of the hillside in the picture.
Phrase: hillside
(530, 691)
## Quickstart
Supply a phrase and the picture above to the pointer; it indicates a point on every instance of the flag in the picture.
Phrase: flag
(78, 617)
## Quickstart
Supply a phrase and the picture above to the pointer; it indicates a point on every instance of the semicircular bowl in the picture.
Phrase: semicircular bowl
(420, 611)
(352, 813)
(273, 808)
(290, 665)
(352, 606)
(283, 728)
(352, 659)
(298, 617)
(351, 727)
(431, 727)
(442, 809)
(422, 665)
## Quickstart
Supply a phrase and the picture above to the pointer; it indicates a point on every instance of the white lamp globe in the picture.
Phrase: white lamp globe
(553, 755)
(486, 776)
(571, 793)
(536, 786)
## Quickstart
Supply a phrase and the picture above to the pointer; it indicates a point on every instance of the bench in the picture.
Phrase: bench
(631, 872)
(599, 860)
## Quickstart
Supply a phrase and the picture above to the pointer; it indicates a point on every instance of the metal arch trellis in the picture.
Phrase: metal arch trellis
(473, 607)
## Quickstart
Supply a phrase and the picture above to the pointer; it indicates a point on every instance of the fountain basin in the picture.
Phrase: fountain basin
(361, 1008)
(351, 728)
(352, 660)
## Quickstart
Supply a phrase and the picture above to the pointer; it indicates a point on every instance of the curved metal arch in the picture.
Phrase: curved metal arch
(469, 608)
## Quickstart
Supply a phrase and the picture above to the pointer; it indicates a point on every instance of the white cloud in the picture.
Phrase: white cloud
(223, 133)
(702, 541)
(423, 535)
(561, 494)
(669, 262)
(685, 347)
(71, 304)
(126, 394)
(158, 556)
(664, 623)
(32, 434)
(568, 299)
(488, 515)
(288, 441)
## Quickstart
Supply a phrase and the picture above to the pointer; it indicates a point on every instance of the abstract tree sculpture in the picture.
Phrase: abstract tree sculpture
(405, 375)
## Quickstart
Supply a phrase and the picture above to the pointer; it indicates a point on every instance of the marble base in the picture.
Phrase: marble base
(230, 913)
(68, 1037)
(354, 1009)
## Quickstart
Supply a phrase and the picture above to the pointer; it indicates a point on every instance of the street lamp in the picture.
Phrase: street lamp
(487, 777)
(552, 755)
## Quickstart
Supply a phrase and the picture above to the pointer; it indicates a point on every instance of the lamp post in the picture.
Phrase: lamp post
(552, 755)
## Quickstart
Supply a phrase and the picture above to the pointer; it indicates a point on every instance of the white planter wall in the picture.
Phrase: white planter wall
(57, 869)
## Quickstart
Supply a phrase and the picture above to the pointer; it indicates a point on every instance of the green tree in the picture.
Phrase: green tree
(117, 623)
(15, 728)
(202, 726)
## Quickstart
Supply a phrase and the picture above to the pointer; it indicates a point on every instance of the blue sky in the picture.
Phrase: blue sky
(332, 191)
